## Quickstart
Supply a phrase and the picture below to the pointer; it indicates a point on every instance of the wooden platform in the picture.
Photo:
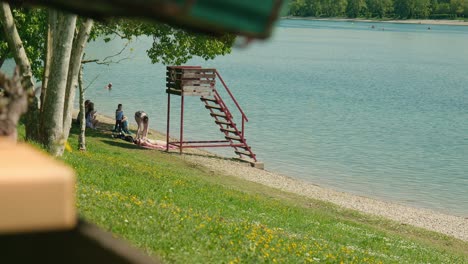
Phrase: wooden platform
(190, 81)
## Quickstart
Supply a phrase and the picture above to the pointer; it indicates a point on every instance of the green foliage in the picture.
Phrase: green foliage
(176, 46)
(32, 27)
(457, 7)
(186, 214)
(402, 9)
(170, 45)
(355, 8)
(379, 8)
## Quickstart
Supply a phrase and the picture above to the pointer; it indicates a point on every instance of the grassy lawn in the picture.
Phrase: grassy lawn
(186, 214)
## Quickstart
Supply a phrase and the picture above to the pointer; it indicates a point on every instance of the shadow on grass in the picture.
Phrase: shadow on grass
(122, 144)
(205, 155)
(100, 133)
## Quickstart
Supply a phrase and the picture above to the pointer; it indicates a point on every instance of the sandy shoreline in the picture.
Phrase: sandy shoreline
(406, 21)
(446, 224)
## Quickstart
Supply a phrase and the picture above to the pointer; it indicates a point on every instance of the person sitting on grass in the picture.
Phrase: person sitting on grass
(80, 114)
(124, 125)
(91, 120)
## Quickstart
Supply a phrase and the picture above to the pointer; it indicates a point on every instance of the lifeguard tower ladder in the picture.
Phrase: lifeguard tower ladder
(197, 81)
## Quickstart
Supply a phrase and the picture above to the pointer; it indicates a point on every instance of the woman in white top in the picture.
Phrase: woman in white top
(141, 119)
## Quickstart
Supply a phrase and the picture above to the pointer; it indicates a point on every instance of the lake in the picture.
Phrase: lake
(379, 112)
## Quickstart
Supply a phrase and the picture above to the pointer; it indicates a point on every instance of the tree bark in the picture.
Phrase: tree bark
(73, 73)
(62, 37)
(21, 59)
(82, 117)
(48, 58)
(2, 60)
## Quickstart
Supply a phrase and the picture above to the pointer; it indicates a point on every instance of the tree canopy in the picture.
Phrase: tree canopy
(51, 43)
(170, 45)
(396, 9)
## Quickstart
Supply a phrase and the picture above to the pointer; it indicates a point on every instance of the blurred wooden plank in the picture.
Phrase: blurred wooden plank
(36, 192)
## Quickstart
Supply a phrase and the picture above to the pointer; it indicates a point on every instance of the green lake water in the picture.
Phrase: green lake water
(380, 112)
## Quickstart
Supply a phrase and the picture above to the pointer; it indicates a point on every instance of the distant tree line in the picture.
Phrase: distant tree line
(397, 9)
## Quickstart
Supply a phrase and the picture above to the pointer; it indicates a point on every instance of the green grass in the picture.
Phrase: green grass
(185, 214)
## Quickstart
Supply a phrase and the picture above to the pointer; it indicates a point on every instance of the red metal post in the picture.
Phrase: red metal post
(232, 96)
(181, 123)
(168, 121)
(243, 122)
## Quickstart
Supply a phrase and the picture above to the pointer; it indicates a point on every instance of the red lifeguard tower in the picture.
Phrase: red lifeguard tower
(197, 81)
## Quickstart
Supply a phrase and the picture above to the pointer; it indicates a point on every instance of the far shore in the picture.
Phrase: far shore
(451, 225)
(404, 21)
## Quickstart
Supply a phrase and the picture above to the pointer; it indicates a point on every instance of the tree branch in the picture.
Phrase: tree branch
(106, 60)
(90, 83)
(89, 61)
(118, 53)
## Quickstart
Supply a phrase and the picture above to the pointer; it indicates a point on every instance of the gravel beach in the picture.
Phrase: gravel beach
(445, 22)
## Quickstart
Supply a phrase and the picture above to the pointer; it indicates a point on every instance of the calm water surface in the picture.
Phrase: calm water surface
(377, 112)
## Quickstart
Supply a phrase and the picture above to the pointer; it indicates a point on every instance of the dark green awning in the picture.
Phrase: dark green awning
(253, 18)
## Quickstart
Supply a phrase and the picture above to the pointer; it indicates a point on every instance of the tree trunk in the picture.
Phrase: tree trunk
(73, 72)
(63, 31)
(48, 58)
(82, 117)
(2, 60)
(21, 59)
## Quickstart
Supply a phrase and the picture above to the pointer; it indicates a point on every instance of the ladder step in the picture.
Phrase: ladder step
(233, 138)
(209, 99)
(228, 130)
(214, 107)
(245, 147)
(218, 115)
(245, 153)
(219, 122)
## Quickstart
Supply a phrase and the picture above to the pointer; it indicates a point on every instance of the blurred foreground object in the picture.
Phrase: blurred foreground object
(36, 192)
(85, 243)
(13, 103)
(253, 19)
